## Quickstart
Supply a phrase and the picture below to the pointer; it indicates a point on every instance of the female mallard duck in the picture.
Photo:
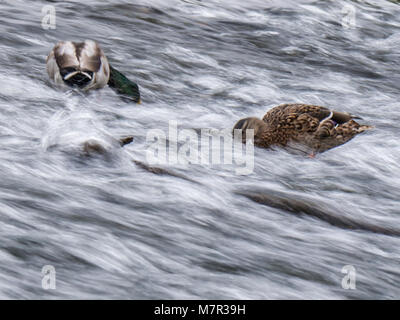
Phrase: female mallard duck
(307, 128)
(84, 65)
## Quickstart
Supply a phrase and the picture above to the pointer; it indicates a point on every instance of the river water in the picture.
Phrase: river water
(113, 230)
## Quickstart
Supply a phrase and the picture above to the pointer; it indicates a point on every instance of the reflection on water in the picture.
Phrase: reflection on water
(113, 229)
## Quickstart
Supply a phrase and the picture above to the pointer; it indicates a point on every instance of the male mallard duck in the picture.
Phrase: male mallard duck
(308, 128)
(81, 65)
(84, 65)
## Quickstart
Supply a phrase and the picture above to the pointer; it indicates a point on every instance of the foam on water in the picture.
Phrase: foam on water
(115, 230)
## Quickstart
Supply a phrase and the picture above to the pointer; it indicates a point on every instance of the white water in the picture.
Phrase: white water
(114, 230)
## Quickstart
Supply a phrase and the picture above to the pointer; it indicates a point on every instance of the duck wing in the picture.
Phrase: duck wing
(93, 62)
(317, 128)
(330, 134)
(82, 64)
(62, 57)
(83, 55)
(275, 115)
(65, 54)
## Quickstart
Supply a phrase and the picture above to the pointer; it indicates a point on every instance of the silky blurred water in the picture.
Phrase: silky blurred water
(113, 230)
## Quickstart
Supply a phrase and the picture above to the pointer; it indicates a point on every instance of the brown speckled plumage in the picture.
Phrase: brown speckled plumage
(306, 128)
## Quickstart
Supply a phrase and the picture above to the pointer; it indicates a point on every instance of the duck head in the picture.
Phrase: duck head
(78, 64)
(251, 123)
